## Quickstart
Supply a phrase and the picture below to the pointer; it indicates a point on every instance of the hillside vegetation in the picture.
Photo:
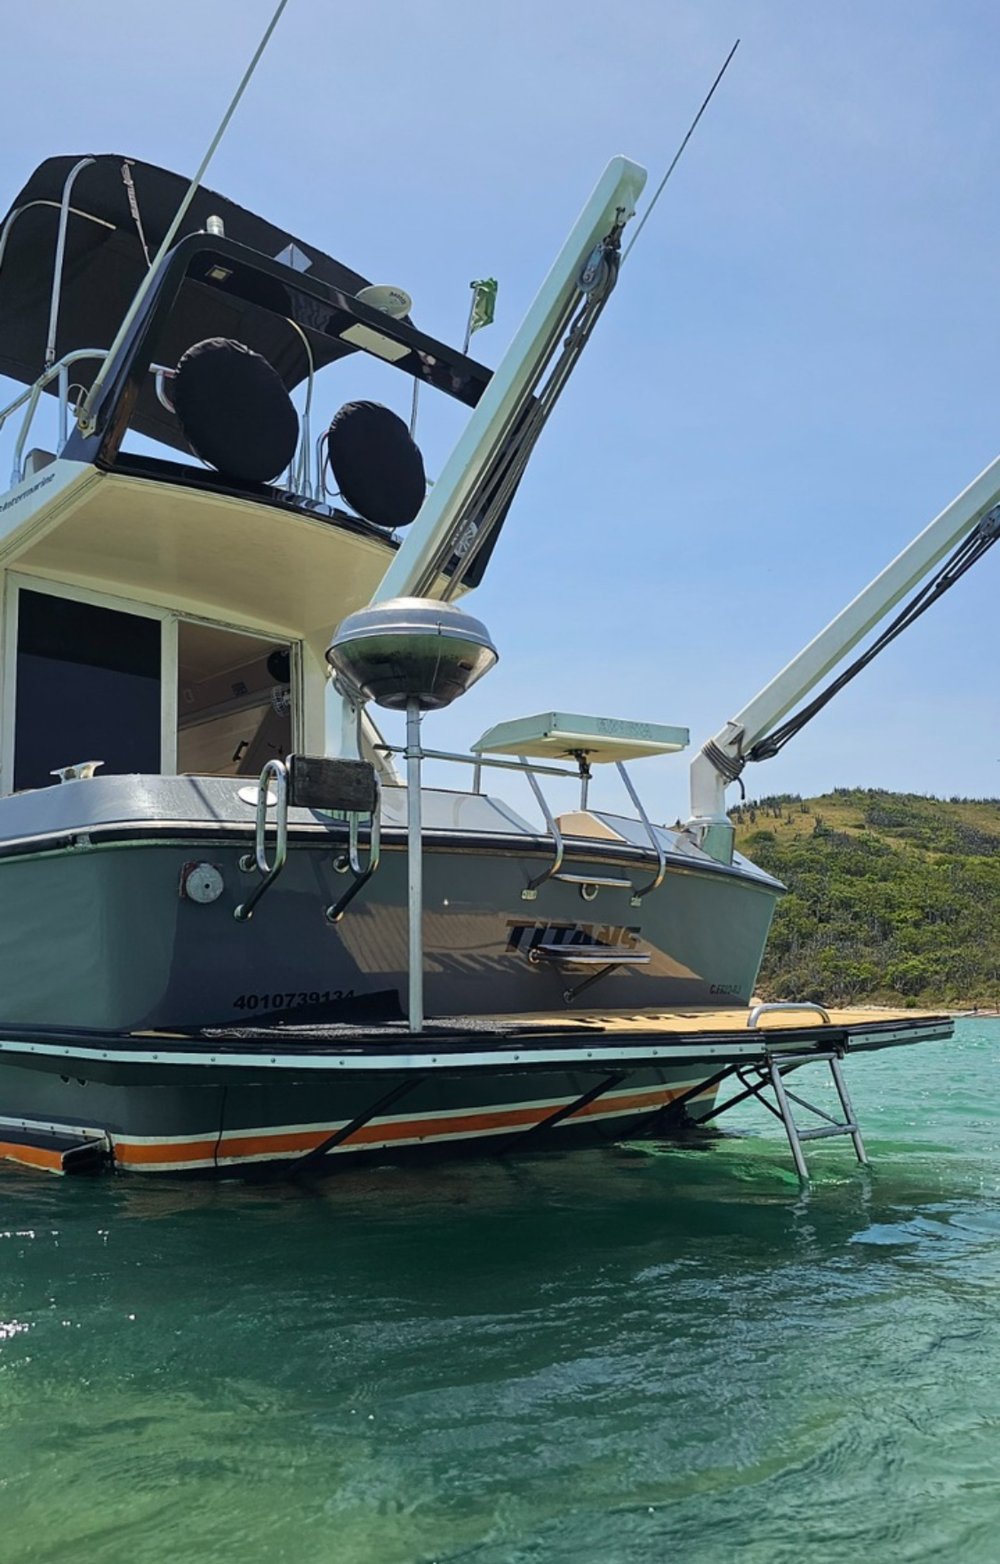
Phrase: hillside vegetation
(892, 898)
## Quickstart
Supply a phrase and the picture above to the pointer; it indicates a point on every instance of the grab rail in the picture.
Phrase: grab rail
(657, 846)
(531, 771)
(362, 874)
(531, 889)
(257, 860)
(32, 394)
(791, 1004)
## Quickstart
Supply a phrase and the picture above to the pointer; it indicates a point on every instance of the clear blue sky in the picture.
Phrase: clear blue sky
(796, 373)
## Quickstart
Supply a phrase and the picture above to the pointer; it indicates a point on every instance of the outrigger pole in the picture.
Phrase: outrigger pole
(444, 518)
(513, 383)
(85, 418)
(969, 525)
(492, 450)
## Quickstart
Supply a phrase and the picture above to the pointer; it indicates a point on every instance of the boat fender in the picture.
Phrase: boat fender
(376, 464)
(234, 410)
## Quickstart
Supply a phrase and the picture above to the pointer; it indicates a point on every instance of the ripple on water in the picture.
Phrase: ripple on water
(633, 1354)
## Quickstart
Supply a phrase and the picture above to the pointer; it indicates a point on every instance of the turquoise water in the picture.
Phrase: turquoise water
(632, 1354)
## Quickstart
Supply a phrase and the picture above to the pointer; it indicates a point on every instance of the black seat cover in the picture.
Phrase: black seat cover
(234, 410)
(377, 467)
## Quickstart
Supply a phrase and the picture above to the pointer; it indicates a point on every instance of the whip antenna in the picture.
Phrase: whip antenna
(680, 150)
(85, 417)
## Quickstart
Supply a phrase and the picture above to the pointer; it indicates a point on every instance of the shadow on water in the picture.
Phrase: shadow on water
(629, 1354)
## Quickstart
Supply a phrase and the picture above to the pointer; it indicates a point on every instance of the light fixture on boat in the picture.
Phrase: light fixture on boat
(234, 410)
(411, 651)
(376, 464)
(394, 302)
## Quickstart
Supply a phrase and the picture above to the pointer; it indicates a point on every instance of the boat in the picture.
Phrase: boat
(238, 933)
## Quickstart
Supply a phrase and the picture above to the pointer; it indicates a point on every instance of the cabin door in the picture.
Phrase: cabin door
(138, 689)
(234, 701)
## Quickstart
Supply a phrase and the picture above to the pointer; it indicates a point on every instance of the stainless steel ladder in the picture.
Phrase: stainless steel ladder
(778, 1065)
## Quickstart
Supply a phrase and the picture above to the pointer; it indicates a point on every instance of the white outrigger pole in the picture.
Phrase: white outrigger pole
(611, 205)
(509, 414)
(721, 759)
(413, 571)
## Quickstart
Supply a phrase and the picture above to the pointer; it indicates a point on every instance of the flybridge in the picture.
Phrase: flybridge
(231, 277)
(211, 339)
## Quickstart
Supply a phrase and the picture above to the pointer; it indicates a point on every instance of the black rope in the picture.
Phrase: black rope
(967, 554)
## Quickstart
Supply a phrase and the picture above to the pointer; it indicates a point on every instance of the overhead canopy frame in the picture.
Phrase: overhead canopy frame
(264, 278)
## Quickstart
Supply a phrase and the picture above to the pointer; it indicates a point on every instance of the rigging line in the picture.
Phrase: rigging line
(133, 206)
(495, 488)
(85, 417)
(967, 554)
(680, 150)
(498, 487)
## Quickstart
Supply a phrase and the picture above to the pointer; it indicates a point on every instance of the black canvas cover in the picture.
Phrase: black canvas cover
(234, 410)
(377, 466)
(105, 262)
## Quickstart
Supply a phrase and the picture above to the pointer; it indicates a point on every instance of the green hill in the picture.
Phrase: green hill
(893, 898)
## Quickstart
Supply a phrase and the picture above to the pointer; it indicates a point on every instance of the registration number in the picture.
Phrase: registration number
(291, 998)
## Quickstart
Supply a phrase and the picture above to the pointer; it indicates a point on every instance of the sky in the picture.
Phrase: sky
(794, 375)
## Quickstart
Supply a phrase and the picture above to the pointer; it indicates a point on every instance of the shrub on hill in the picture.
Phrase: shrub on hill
(892, 898)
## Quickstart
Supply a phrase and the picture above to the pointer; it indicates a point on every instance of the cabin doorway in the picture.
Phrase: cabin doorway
(234, 701)
(88, 688)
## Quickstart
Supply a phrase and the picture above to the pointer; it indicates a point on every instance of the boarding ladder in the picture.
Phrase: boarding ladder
(768, 1074)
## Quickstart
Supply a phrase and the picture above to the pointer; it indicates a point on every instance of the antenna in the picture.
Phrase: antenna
(85, 416)
(680, 150)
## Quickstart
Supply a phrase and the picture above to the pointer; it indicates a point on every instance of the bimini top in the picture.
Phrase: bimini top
(120, 210)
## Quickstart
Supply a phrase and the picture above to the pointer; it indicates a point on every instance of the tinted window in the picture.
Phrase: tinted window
(88, 688)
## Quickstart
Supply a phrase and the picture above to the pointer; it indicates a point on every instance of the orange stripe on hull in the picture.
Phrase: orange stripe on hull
(32, 1156)
(168, 1154)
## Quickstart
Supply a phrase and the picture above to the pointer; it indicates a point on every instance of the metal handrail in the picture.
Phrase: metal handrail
(661, 857)
(478, 761)
(257, 860)
(531, 889)
(32, 394)
(531, 771)
(362, 874)
(812, 1009)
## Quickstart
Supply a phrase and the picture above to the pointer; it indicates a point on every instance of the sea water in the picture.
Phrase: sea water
(641, 1353)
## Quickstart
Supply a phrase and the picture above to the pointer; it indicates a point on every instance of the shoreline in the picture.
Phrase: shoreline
(957, 1012)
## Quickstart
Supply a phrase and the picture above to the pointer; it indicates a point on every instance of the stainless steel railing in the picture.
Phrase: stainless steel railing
(29, 399)
(531, 772)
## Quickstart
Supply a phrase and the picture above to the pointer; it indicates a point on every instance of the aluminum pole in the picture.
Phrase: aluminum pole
(414, 868)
